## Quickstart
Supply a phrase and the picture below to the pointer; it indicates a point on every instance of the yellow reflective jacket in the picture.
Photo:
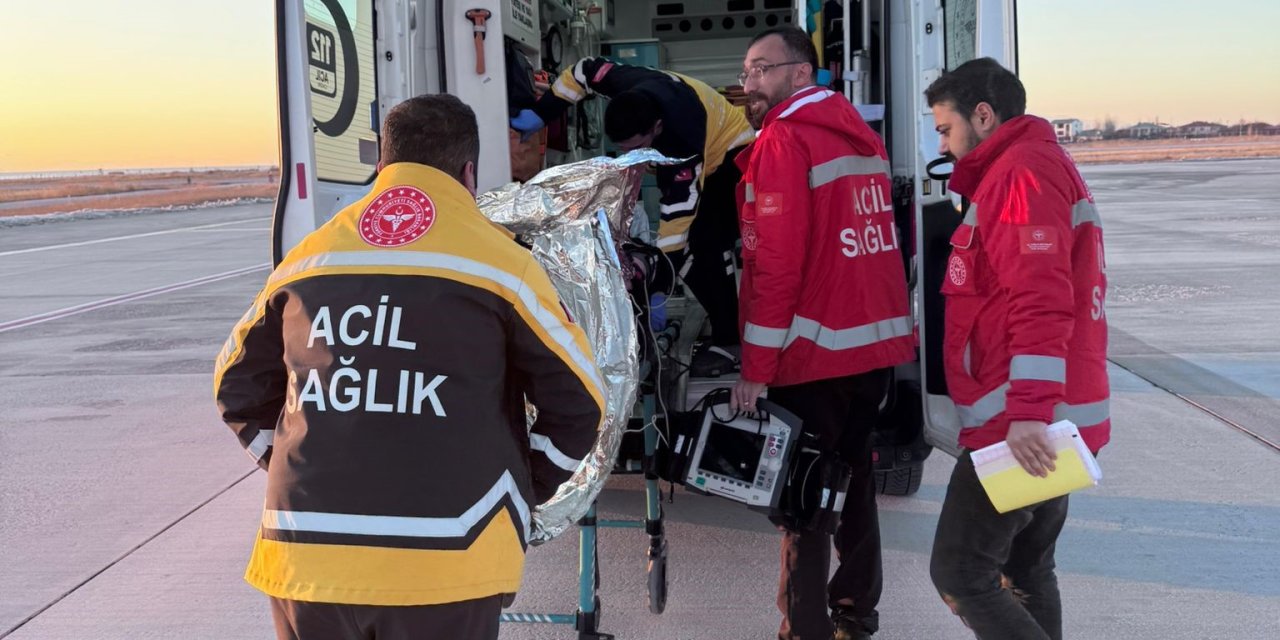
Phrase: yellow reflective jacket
(380, 379)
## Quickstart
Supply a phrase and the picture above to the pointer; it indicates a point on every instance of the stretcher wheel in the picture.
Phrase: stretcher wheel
(657, 570)
(588, 624)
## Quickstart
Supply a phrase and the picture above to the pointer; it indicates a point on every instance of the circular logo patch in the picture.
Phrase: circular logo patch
(957, 271)
(749, 239)
(1038, 235)
(397, 217)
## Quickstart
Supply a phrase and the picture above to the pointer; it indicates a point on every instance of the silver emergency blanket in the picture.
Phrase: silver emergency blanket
(575, 215)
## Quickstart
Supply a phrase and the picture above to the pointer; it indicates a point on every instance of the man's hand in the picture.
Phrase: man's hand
(527, 123)
(1030, 445)
(745, 394)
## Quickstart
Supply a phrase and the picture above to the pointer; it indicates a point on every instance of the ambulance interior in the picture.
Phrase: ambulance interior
(702, 39)
(879, 53)
(707, 40)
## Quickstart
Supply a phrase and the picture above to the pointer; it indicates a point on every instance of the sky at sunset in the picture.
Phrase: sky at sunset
(88, 84)
(1139, 60)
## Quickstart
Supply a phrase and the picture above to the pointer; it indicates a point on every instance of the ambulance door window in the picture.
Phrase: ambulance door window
(962, 30)
(341, 75)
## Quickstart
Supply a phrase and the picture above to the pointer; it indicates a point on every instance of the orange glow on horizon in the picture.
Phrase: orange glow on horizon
(152, 83)
(142, 84)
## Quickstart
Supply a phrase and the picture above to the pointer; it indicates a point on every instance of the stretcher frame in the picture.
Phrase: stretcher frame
(654, 387)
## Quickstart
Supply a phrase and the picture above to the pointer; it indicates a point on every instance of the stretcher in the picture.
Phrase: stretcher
(663, 388)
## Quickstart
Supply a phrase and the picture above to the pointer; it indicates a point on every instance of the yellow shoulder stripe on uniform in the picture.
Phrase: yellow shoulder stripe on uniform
(727, 125)
(232, 348)
(569, 88)
(674, 234)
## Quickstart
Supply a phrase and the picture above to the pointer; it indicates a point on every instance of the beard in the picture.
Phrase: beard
(758, 106)
(971, 140)
(755, 113)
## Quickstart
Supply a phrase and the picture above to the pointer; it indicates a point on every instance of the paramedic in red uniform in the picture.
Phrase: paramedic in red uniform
(1025, 344)
(824, 311)
(380, 378)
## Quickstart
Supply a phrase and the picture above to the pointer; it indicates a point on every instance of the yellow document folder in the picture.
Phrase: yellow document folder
(1010, 487)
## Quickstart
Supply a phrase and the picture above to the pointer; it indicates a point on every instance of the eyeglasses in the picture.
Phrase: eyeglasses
(757, 72)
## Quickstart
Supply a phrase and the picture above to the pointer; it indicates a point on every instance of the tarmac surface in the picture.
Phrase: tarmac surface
(127, 509)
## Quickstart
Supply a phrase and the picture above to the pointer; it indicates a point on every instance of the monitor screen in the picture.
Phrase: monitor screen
(730, 452)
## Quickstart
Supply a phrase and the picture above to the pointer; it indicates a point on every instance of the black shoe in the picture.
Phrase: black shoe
(848, 627)
(713, 362)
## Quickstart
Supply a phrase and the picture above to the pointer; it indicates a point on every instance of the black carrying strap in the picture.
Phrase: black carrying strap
(814, 496)
(937, 162)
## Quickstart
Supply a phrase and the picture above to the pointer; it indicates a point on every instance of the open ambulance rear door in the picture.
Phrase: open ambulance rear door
(946, 34)
(342, 64)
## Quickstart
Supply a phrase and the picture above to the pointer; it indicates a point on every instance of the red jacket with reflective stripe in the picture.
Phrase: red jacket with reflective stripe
(1026, 329)
(823, 290)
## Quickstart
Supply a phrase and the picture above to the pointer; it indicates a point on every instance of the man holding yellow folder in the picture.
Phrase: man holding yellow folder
(1025, 344)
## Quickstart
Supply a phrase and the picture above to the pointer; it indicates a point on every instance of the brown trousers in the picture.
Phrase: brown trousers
(466, 620)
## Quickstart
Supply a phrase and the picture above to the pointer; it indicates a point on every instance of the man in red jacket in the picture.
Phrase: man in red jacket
(824, 311)
(1025, 343)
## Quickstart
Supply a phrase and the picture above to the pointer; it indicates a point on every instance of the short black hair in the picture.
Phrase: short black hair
(976, 81)
(629, 114)
(436, 130)
(798, 43)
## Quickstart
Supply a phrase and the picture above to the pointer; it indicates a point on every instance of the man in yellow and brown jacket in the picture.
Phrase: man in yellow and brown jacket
(380, 379)
(681, 117)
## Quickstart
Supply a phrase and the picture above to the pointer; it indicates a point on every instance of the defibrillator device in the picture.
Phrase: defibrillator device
(761, 459)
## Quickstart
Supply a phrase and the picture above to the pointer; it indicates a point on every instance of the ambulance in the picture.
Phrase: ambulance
(342, 64)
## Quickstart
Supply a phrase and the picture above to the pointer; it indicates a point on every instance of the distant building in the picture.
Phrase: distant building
(1145, 131)
(1251, 129)
(1200, 129)
(1068, 130)
(1091, 135)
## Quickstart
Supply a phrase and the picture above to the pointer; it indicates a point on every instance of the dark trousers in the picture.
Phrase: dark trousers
(466, 620)
(842, 412)
(996, 571)
(713, 238)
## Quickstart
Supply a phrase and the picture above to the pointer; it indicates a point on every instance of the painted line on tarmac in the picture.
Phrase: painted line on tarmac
(126, 554)
(236, 230)
(1184, 395)
(128, 297)
(129, 237)
(1164, 532)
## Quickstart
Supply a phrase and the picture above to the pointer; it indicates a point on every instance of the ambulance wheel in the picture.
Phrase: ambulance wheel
(901, 481)
(657, 571)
